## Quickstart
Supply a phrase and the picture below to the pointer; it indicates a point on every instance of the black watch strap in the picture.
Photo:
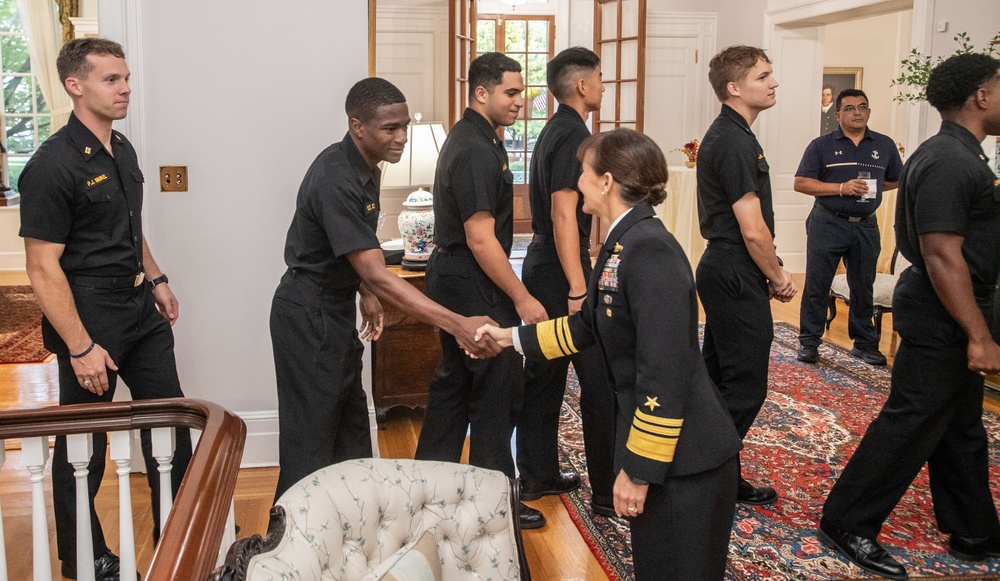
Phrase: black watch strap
(158, 280)
(638, 481)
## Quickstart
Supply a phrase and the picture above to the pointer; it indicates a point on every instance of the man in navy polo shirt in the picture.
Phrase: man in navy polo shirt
(846, 171)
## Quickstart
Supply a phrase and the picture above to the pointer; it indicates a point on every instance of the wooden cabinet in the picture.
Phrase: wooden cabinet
(404, 357)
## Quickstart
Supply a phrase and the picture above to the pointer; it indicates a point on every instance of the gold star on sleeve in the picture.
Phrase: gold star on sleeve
(651, 403)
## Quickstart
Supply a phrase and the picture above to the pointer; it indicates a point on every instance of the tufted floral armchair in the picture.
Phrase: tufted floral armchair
(357, 520)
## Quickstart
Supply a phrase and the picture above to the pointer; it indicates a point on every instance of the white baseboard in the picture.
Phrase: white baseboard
(261, 447)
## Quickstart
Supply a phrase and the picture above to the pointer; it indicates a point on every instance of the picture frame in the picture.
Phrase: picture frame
(835, 80)
(843, 78)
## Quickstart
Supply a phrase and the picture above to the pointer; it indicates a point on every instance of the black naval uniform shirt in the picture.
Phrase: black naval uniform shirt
(336, 212)
(74, 193)
(947, 186)
(472, 176)
(554, 166)
(730, 164)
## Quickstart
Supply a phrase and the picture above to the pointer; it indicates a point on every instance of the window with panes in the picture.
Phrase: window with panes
(528, 40)
(25, 114)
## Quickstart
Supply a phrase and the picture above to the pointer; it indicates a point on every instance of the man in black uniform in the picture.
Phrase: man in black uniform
(332, 254)
(556, 270)
(469, 272)
(739, 271)
(107, 308)
(947, 219)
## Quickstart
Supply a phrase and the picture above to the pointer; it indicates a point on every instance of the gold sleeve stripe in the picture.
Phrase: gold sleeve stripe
(652, 447)
(671, 422)
(567, 337)
(554, 338)
(670, 432)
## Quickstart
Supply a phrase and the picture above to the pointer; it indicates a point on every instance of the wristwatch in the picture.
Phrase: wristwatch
(160, 279)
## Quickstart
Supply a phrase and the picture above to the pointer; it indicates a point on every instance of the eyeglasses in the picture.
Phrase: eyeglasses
(850, 108)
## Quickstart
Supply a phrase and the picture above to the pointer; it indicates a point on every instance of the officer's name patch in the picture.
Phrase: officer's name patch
(97, 180)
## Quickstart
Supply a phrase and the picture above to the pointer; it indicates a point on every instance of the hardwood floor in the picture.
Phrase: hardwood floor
(555, 552)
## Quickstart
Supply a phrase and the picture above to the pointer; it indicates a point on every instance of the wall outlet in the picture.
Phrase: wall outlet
(173, 178)
(942, 26)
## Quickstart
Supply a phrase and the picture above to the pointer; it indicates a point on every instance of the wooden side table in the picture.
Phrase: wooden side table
(404, 357)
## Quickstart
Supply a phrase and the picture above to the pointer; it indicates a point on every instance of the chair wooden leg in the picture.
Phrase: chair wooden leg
(878, 323)
(832, 311)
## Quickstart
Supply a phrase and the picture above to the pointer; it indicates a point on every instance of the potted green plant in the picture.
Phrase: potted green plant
(915, 69)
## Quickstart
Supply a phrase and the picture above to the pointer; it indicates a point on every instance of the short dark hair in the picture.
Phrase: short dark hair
(72, 60)
(487, 71)
(731, 65)
(953, 81)
(367, 95)
(633, 159)
(850, 93)
(565, 69)
(828, 86)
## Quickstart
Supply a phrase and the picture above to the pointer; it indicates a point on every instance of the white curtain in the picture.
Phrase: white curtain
(44, 41)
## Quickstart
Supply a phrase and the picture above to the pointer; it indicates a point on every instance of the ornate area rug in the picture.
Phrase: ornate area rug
(810, 425)
(20, 326)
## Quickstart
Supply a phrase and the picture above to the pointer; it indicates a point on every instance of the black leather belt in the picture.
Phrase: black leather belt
(107, 282)
(849, 217)
(981, 291)
(551, 240)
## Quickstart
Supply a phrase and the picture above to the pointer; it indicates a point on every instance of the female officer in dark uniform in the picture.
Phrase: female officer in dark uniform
(676, 447)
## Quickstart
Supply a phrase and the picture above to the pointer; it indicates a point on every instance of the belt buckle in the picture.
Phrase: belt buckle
(138, 279)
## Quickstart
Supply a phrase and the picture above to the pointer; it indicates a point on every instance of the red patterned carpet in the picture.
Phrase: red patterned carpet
(812, 421)
(20, 326)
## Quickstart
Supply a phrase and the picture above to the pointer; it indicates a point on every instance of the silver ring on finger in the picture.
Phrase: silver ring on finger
(633, 509)
(88, 383)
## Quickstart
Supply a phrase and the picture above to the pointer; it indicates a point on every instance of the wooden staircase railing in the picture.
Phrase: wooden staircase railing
(192, 535)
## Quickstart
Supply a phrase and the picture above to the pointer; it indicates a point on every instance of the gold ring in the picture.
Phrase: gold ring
(87, 383)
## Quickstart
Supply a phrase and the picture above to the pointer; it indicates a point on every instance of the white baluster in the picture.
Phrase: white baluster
(228, 535)
(163, 451)
(3, 547)
(121, 453)
(35, 452)
(79, 448)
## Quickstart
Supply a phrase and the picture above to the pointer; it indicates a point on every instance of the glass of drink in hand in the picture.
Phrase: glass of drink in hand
(872, 187)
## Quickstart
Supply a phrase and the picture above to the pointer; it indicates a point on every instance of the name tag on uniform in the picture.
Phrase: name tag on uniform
(609, 275)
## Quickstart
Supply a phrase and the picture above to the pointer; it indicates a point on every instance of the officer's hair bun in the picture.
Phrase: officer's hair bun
(656, 194)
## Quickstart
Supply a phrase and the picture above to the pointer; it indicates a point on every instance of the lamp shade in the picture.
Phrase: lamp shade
(419, 162)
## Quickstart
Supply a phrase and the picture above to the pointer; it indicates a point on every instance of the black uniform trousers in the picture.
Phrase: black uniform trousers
(139, 339)
(481, 397)
(322, 409)
(545, 385)
(738, 328)
(830, 238)
(684, 530)
(934, 415)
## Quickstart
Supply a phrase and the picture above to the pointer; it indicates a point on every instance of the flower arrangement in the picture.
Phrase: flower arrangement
(690, 149)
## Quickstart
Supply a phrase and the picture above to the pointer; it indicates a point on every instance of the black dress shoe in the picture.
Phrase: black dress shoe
(603, 505)
(106, 568)
(749, 494)
(530, 518)
(565, 482)
(869, 356)
(808, 354)
(974, 549)
(862, 551)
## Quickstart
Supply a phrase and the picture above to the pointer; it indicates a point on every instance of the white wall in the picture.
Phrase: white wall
(246, 98)
(877, 44)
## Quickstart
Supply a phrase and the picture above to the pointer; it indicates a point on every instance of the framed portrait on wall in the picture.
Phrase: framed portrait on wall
(835, 80)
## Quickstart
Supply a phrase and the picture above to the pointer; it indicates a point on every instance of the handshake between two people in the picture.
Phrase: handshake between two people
(492, 335)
